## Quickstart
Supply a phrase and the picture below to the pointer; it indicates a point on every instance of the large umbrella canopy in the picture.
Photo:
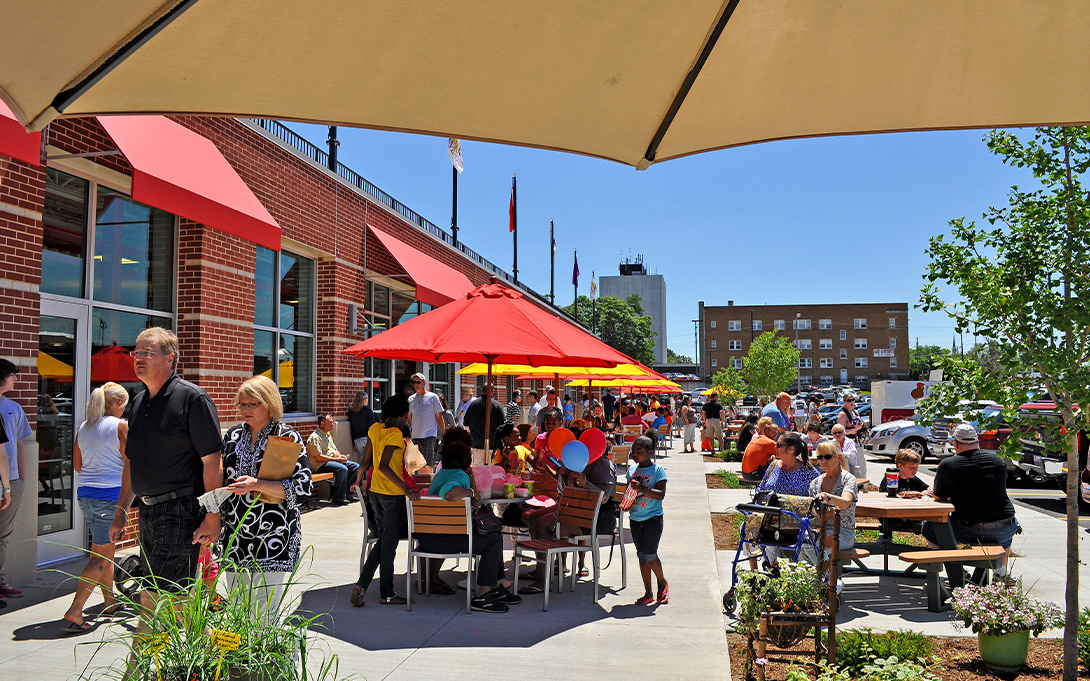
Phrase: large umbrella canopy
(527, 371)
(495, 324)
(287, 374)
(650, 385)
(51, 367)
(637, 81)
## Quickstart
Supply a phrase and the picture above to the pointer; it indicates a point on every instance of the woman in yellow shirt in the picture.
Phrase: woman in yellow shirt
(511, 453)
(386, 452)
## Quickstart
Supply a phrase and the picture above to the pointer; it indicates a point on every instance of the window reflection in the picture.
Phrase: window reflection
(296, 369)
(296, 297)
(64, 226)
(264, 283)
(134, 246)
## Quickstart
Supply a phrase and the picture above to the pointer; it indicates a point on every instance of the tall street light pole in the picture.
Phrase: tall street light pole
(798, 316)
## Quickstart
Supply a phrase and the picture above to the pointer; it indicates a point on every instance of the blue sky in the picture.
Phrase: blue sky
(827, 220)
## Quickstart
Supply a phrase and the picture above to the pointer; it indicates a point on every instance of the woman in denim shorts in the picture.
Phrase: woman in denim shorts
(98, 458)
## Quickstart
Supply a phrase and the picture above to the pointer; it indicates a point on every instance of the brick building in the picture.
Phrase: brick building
(262, 259)
(850, 343)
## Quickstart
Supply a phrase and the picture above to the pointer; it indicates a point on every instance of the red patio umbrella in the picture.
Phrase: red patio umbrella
(492, 323)
(112, 363)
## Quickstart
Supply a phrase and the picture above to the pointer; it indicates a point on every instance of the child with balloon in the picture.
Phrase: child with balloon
(648, 480)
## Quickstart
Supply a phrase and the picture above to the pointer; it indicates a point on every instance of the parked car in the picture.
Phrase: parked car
(885, 439)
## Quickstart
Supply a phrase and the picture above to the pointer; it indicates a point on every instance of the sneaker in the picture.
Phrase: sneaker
(487, 603)
(501, 594)
(8, 591)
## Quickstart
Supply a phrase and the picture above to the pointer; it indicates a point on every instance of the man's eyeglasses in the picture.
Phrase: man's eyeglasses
(825, 457)
(143, 354)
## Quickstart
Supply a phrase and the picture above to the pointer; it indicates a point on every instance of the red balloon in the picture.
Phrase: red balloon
(558, 438)
(595, 440)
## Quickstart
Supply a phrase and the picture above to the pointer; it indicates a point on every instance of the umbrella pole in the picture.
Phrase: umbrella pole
(488, 406)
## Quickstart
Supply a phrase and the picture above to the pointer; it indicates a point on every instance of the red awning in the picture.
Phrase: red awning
(177, 170)
(436, 284)
(15, 141)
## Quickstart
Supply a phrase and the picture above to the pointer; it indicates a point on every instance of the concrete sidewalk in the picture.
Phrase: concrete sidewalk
(576, 639)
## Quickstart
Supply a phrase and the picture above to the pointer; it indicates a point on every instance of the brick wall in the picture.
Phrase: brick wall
(22, 195)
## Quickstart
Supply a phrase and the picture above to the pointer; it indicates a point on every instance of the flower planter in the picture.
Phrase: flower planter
(1004, 652)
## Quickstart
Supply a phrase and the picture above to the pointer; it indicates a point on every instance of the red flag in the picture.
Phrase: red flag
(511, 209)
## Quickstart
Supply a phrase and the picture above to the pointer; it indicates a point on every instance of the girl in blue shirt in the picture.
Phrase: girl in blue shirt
(645, 517)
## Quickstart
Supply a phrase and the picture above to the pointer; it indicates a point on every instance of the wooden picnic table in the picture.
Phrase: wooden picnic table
(885, 508)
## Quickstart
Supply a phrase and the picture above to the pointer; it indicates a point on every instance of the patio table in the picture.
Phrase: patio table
(886, 508)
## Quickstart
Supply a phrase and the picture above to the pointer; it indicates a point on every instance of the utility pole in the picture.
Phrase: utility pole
(798, 316)
(333, 144)
(454, 209)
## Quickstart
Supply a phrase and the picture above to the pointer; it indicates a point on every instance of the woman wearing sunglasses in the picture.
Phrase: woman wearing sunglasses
(836, 487)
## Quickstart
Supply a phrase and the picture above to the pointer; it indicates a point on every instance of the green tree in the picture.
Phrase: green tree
(770, 365)
(922, 359)
(674, 358)
(1021, 280)
(729, 384)
(619, 326)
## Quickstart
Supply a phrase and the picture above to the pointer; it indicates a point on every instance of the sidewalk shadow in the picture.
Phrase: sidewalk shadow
(441, 621)
(904, 599)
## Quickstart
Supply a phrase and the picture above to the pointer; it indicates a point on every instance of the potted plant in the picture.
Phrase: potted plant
(796, 589)
(1003, 616)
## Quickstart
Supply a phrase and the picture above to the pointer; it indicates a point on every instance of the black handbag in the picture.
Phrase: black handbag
(485, 521)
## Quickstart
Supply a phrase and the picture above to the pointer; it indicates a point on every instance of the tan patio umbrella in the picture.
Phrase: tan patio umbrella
(636, 82)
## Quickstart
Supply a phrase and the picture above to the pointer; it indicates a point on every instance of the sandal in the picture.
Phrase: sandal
(393, 600)
(584, 572)
(356, 599)
(530, 589)
(645, 600)
(664, 595)
(69, 627)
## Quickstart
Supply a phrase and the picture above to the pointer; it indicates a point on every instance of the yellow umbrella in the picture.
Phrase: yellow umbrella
(51, 367)
(527, 371)
(637, 82)
(287, 374)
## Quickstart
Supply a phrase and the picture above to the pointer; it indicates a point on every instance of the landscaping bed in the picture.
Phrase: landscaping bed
(958, 660)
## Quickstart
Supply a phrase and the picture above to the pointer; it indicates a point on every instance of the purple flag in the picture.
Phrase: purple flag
(575, 271)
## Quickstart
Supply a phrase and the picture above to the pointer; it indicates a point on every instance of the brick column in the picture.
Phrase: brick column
(215, 312)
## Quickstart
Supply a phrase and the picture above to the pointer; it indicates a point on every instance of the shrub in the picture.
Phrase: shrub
(856, 648)
(730, 454)
(729, 480)
(1084, 637)
(892, 669)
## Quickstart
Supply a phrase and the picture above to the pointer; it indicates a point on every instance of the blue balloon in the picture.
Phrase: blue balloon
(575, 456)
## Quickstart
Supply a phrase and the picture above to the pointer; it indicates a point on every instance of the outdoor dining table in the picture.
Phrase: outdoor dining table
(886, 508)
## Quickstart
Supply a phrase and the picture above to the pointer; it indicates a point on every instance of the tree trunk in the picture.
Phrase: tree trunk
(1071, 622)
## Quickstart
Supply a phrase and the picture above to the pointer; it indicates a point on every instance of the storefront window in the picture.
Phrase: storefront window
(64, 227)
(284, 304)
(134, 248)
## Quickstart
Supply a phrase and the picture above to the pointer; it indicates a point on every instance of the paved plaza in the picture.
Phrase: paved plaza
(575, 639)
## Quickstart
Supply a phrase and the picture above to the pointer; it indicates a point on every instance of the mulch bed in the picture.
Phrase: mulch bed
(959, 660)
(716, 482)
(725, 530)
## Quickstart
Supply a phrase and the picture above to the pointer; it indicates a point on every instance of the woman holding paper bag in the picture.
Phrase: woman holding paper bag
(262, 547)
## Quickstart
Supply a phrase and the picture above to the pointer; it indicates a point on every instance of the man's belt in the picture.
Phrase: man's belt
(169, 496)
(992, 524)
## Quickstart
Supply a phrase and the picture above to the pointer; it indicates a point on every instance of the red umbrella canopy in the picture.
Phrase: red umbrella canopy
(112, 363)
(491, 322)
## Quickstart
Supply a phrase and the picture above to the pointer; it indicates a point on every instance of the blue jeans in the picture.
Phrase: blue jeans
(342, 473)
(1000, 532)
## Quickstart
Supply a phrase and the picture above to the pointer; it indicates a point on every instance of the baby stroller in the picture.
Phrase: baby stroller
(776, 522)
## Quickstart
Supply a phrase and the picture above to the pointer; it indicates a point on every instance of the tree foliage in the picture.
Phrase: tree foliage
(618, 325)
(770, 365)
(729, 384)
(922, 359)
(674, 358)
(1022, 282)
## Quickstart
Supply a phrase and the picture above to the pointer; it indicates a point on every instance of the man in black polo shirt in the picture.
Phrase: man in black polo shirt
(172, 457)
(975, 481)
(713, 412)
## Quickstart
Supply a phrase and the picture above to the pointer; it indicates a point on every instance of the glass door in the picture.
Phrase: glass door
(63, 377)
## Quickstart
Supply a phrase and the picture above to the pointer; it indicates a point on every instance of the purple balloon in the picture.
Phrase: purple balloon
(575, 456)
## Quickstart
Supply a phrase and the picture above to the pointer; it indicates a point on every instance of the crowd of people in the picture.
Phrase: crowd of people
(170, 458)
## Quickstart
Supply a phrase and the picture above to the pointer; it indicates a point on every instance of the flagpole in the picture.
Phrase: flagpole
(454, 209)
(552, 264)
(575, 283)
(515, 226)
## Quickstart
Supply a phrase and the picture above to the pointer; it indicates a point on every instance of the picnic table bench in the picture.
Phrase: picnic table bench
(982, 558)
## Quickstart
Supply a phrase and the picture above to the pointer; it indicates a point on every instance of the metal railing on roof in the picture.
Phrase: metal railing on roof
(321, 157)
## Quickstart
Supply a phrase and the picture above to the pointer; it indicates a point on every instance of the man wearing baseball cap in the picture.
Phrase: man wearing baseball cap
(778, 412)
(425, 419)
(974, 480)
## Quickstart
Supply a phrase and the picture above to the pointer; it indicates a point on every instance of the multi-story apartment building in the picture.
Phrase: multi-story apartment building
(849, 343)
